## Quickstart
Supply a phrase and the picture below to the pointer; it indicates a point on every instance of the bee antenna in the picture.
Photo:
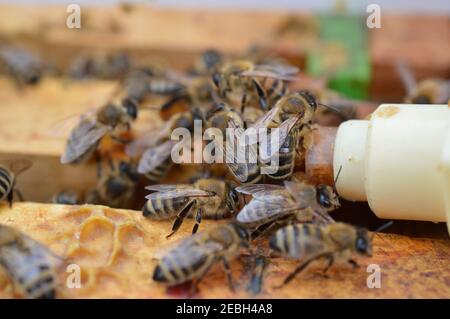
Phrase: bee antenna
(382, 227)
(337, 176)
(335, 110)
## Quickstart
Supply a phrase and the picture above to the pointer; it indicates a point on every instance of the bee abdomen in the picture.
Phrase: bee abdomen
(286, 158)
(164, 87)
(6, 183)
(42, 288)
(253, 213)
(163, 208)
(295, 240)
(179, 267)
(36, 280)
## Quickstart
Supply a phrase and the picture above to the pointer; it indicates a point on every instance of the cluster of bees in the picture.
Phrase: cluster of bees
(222, 92)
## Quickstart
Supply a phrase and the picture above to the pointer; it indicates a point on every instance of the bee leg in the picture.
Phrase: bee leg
(198, 220)
(180, 217)
(353, 263)
(226, 267)
(262, 99)
(111, 163)
(120, 140)
(330, 259)
(19, 194)
(299, 269)
(196, 282)
(168, 104)
(10, 198)
(98, 163)
(244, 101)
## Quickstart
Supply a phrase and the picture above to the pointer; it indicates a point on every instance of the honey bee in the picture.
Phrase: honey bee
(334, 242)
(242, 75)
(66, 198)
(194, 256)
(274, 206)
(334, 101)
(292, 115)
(156, 146)
(116, 188)
(29, 264)
(428, 91)
(208, 198)
(208, 61)
(145, 81)
(24, 66)
(9, 170)
(242, 162)
(103, 66)
(86, 136)
(197, 90)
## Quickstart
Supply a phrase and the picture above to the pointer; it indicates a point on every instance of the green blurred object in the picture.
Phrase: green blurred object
(342, 56)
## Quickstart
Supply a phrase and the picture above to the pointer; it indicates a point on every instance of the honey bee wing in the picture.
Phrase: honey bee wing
(166, 187)
(16, 165)
(245, 159)
(304, 193)
(256, 188)
(321, 216)
(155, 156)
(264, 120)
(273, 145)
(247, 150)
(83, 136)
(266, 207)
(177, 193)
(65, 126)
(259, 71)
(138, 146)
(41, 250)
(279, 68)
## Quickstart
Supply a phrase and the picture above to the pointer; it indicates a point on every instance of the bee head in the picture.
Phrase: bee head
(310, 98)
(211, 58)
(233, 200)
(131, 107)
(115, 187)
(421, 99)
(363, 244)
(243, 233)
(110, 115)
(33, 78)
(326, 197)
(128, 170)
(185, 121)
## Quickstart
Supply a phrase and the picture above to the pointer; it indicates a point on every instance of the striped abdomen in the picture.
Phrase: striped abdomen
(159, 172)
(246, 173)
(164, 87)
(6, 182)
(183, 264)
(164, 208)
(286, 158)
(298, 240)
(33, 274)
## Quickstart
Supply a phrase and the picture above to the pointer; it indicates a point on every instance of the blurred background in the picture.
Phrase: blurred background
(439, 7)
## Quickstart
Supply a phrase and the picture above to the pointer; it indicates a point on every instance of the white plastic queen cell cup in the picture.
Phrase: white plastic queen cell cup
(398, 161)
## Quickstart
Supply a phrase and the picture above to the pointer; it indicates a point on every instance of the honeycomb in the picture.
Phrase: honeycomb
(117, 250)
